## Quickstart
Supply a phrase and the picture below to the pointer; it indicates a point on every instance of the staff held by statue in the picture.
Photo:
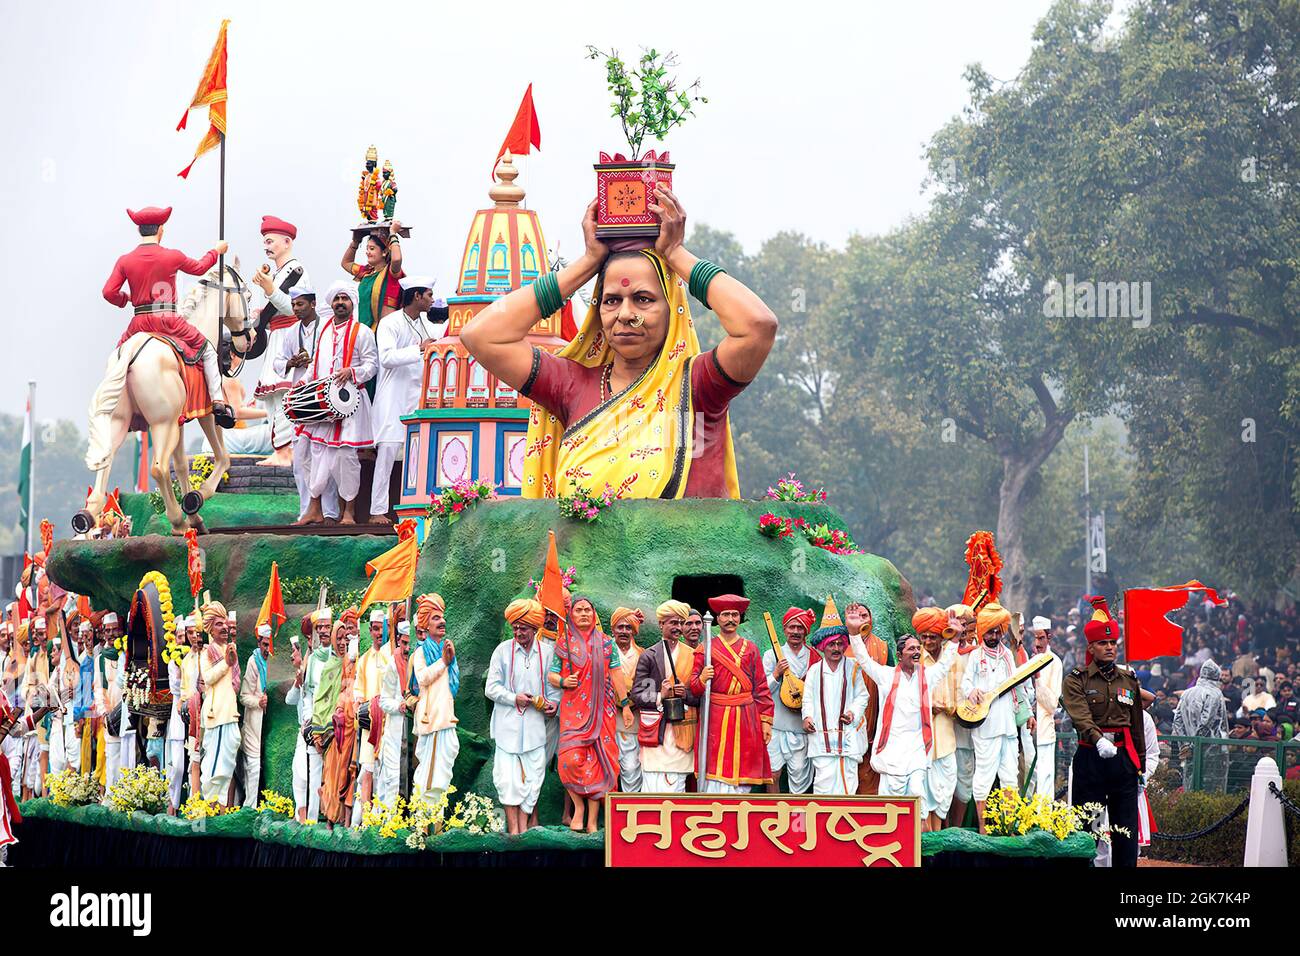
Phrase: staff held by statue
(702, 734)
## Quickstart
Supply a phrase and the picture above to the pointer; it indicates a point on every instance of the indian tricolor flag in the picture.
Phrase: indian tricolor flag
(25, 474)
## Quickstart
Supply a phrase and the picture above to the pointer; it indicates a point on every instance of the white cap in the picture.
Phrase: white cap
(230, 616)
(404, 628)
(40, 624)
(301, 290)
(1042, 623)
(109, 618)
(55, 640)
(84, 628)
(376, 616)
(324, 614)
(264, 630)
(416, 282)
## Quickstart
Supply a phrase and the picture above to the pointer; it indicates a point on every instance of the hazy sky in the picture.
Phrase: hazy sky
(816, 119)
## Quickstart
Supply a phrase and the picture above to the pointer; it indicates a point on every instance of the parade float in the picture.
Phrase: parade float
(481, 545)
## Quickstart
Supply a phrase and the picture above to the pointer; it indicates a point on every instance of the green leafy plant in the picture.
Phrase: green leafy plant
(647, 100)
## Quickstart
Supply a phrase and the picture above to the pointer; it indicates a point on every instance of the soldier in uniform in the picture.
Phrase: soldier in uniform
(1104, 702)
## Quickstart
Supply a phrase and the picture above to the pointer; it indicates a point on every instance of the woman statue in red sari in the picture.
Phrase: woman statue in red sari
(586, 667)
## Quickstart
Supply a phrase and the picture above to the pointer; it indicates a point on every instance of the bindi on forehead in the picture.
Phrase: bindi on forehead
(625, 282)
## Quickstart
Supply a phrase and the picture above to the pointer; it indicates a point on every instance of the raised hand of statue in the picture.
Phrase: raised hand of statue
(596, 250)
(448, 652)
(263, 278)
(230, 653)
(672, 221)
(296, 657)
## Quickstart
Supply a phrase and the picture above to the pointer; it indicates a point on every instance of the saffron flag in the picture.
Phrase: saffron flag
(524, 131)
(1148, 633)
(273, 605)
(211, 92)
(194, 564)
(551, 593)
(394, 570)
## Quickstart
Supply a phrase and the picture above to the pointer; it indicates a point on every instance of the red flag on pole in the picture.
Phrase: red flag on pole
(1148, 633)
(211, 92)
(273, 612)
(524, 131)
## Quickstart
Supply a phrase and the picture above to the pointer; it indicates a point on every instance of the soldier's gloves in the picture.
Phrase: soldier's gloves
(1105, 749)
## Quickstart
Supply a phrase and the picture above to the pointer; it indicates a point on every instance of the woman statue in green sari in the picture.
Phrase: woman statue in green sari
(377, 280)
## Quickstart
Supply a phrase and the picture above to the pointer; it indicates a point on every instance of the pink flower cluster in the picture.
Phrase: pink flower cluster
(772, 526)
(820, 536)
(463, 493)
(584, 505)
(567, 577)
(791, 488)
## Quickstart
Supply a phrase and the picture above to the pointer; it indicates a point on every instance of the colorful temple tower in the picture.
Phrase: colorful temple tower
(470, 425)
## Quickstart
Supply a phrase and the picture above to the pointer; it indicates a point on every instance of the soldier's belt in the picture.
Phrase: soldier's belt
(1121, 737)
(155, 307)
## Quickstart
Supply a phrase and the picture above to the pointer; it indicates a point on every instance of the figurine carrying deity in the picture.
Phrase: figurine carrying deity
(388, 190)
(368, 193)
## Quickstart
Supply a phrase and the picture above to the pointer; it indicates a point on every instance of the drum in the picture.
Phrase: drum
(321, 400)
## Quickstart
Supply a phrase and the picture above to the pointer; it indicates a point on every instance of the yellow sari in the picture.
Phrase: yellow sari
(638, 441)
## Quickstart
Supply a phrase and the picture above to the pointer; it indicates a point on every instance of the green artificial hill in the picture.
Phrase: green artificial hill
(637, 554)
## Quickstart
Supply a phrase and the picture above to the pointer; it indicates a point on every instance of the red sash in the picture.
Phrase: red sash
(886, 719)
(732, 668)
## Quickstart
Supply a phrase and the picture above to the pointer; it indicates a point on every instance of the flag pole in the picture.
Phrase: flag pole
(31, 466)
(221, 217)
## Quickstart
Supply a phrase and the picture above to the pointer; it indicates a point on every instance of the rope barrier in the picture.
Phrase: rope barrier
(1287, 803)
(1206, 831)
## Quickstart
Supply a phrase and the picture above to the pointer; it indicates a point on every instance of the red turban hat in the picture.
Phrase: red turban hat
(278, 225)
(150, 215)
(800, 614)
(728, 602)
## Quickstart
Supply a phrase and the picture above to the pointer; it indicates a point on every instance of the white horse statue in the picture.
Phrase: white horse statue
(144, 377)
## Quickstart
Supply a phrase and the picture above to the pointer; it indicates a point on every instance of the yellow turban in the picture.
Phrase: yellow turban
(632, 615)
(673, 609)
(426, 606)
(526, 610)
(213, 611)
(991, 616)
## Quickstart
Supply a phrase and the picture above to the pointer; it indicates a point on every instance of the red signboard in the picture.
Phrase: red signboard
(761, 829)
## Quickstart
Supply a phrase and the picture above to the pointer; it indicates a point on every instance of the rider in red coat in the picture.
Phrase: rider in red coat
(149, 271)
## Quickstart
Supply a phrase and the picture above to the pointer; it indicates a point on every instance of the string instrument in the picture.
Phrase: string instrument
(791, 686)
(972, 715)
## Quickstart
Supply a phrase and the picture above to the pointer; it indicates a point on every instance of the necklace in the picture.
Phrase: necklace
(606, 377)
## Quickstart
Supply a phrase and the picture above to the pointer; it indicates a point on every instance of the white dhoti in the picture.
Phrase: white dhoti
(129, 754)
(220, 750)
(337, 467)
(72, 746)
(903, 785)
(302, 456)
(629, 763)
(112, 759)
(719, 786)
(653, 781)
(250, 440)
(788, 749)
(994, 757)
(175, 771)
(518, 777)
(281, 427)
(1045, 771)
(940, 784)
(388, 781)
(386, 454)
(965, 773)
(32, 762)
(835, 774)
(435, 756)
(58, 750)
(252, 778)
(308, 767)
(13, 750)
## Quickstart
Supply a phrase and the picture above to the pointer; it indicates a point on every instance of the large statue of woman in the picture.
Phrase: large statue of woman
(587, 668)
(631, 401)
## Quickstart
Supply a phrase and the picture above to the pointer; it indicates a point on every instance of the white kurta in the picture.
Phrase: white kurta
(997, 753)
(273, 382)
(396, 726)
(250, 696)
(398, 339)
(519, 763)
(834, 749)
(904, 752)
(355, 431)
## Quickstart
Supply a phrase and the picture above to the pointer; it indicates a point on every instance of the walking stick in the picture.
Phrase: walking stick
(702, 751)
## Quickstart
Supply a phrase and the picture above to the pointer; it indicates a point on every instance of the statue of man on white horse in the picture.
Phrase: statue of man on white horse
(166, 370)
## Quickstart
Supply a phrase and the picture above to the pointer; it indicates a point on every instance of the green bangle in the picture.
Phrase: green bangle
(547, 291)
(702, 274)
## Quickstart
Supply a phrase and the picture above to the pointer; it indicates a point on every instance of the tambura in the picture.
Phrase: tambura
(322, 400)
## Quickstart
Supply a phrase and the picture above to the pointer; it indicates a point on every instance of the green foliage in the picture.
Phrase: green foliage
(1181, 811)
(661, 105)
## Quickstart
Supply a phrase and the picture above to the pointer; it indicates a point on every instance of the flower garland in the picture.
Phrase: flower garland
(584, 505)
(820, 535)
(462, 494)
(791, 488)
(173, 651)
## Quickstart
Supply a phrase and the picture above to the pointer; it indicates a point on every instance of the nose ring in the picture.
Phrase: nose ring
(636, 322)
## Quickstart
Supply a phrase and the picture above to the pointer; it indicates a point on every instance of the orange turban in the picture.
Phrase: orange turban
(930, 620)
(426, 606)
(350, 616)
(213, 611)
(633, 616)
(991, 616)
(526, 610)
